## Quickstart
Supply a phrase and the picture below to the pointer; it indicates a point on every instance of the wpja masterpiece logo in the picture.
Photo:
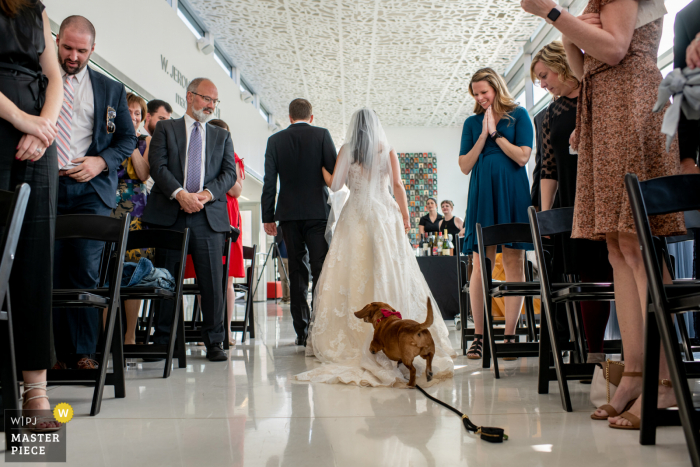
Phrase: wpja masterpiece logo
(37, 435)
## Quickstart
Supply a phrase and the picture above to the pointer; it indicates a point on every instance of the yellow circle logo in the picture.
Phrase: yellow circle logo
(63, 412)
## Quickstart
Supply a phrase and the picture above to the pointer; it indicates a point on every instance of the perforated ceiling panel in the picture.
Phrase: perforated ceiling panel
(409, 60)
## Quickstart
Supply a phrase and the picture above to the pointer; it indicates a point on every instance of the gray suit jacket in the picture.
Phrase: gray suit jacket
(166, 156)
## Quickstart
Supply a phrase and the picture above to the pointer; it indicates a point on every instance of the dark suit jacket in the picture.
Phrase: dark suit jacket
(686, 27)
(536, 175)
(297, 154)
(114, 148)
(167, 153)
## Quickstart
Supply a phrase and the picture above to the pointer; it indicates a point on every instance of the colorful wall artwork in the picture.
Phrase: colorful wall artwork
(419, 175)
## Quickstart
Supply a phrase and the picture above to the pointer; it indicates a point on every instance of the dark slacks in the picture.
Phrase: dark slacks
(300, 236)
(30, 281)
(206, 247)
(77, 266)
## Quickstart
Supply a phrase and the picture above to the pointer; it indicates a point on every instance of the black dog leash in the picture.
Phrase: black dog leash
(488, 433)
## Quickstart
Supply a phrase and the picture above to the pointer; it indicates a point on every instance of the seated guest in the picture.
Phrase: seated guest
(236, 263)
(96, 136)
(452, 223)
(131, 198)
(496, 144)
(190, 194)
(584, 258)
(431, 221)
(27, 132)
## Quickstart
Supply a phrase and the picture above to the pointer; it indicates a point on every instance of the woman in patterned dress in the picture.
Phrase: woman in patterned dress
(131, 198)
(616, 133)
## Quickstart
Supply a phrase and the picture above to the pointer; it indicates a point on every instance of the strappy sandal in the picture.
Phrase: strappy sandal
(34, 428)
(475, 351)
(609, 408)
(514, 339)
(632, 418)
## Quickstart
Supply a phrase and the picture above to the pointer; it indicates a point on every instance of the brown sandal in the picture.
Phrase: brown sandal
(609, 408)
(632, 418)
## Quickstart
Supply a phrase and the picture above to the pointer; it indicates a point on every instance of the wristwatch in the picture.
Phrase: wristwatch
(495, 135)
(553, 14)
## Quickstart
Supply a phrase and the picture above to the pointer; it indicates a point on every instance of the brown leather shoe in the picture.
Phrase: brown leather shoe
(87, 364)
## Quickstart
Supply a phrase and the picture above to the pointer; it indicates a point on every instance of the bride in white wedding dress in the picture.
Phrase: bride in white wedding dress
(370, 260)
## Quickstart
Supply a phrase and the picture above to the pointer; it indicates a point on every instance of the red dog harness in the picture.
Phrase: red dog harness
(388, 313)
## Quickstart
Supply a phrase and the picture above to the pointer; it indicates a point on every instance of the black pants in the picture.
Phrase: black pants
(300, 236)
(30, 281)
(206, 247)
(77, 266)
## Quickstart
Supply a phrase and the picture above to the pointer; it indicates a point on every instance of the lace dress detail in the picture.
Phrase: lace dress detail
(369, 260)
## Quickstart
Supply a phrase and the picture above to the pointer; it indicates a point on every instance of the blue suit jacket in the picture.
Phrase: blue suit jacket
(115, 147)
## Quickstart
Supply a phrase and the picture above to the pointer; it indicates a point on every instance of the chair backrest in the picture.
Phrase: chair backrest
(114, 232)
(663, 195)
(249, 253)
(554, 222)
(505, 233)
(12, 209)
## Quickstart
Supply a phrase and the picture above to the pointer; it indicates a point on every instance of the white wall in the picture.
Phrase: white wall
(132, 35)
(452, 183)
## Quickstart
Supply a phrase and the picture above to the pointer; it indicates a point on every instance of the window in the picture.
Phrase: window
(538, 93)
(668, 69)
(265, 114)
(673, 7)
(520, 99)
(191, 23)
(223, 63)
(245, 87)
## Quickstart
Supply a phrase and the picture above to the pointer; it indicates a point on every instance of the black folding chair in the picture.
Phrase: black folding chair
(499, 235)
(164, 240)
(247, 325)
(664, 195)
(108, 230)
(549, 224)
(193, 332)
(12, 209)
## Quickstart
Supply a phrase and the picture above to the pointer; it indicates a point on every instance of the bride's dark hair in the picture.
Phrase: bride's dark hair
(362, 141)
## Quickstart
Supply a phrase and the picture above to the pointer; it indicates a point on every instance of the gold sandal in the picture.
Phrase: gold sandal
(632, 418)
(609, 408)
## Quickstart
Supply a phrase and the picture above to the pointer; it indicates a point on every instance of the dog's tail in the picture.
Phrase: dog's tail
(428, 318)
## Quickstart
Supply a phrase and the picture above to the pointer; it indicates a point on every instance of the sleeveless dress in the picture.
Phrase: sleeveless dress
(370, 259)
(23, 82)
(499, 192)
(618, 134)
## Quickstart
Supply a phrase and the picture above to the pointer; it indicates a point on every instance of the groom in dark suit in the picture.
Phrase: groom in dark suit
(297, 155)
(193, 166)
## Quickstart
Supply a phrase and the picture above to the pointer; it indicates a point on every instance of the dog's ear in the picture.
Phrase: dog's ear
(367, 313)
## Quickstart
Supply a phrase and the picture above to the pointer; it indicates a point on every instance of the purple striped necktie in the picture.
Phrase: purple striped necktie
(65, 123)
(194, 160)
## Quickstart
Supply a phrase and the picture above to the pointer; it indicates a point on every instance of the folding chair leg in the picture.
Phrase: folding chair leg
(464, 312)
(685, 338)
(558, 362)
(530, 313)
(180, 348)
(650, 381)
(151, 316)
(149, 320)
(488, 324)
(104, 348)
(117, 357)
(8, 373)
(681, 389)
(544, 356)
(250, 319)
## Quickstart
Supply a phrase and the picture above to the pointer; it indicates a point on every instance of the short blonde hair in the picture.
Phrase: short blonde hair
(503, 102)
(553, 56)
(132, 98)
(448, 202)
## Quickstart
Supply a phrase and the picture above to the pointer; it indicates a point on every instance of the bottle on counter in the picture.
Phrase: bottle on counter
(450, 245)
(435, 248)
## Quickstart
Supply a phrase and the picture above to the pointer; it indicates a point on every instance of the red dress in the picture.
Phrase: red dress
(236, 265)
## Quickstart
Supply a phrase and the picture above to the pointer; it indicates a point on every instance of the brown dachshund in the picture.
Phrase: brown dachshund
(402, 340)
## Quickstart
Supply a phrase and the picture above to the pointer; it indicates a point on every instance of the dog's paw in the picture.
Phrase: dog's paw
(373, 352)
(429, 375)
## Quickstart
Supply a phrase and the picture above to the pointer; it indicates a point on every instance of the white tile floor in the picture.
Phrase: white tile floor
(247, 412)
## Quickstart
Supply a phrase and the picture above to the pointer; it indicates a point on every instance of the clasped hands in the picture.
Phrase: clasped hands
(489, 124)
(192, 202)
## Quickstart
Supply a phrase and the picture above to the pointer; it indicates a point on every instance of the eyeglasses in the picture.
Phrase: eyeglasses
(208, 99)
(111, 115)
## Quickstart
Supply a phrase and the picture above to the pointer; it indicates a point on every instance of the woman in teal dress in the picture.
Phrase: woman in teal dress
(496, 145)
